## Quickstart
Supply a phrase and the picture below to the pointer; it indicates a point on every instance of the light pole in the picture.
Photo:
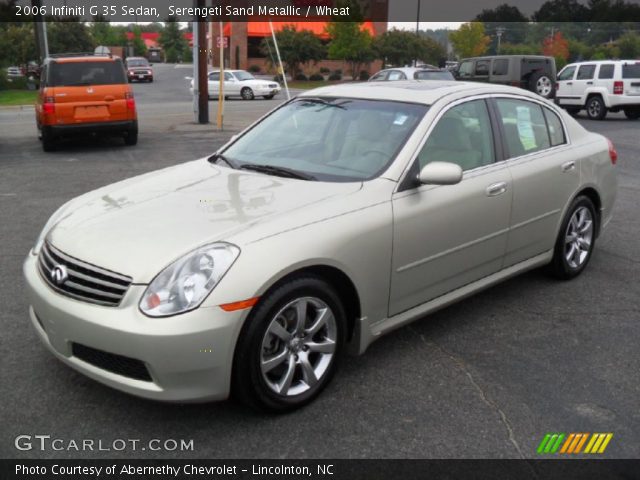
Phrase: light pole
(499, 32)
(415, 60)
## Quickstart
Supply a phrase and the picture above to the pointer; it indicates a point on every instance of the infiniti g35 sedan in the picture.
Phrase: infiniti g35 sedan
(343, 214)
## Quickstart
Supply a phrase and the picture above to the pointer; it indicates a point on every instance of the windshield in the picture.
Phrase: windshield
(433, 75)
(137, 63)
(242, 75)
(331, 139)
(85, 73)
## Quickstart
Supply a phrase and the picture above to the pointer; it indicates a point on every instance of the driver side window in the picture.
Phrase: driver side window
(462, 136)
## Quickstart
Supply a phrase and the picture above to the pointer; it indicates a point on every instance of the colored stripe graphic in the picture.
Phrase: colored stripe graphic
(573, 443)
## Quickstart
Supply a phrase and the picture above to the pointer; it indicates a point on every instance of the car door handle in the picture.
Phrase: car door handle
(569, 83)
(567, 167)
(589, 83)
(109, 98)
(496, 189)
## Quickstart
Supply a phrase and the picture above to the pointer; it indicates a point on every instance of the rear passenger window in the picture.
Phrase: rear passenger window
(606, 71)
(524, 126)
(556, 132)
(462, 136)
(396, 75)
(500, 67)
(585, 72)
(482, 67)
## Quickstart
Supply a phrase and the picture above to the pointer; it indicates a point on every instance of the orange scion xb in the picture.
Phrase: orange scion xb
(85, 94)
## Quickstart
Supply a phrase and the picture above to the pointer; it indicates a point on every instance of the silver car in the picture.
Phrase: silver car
(343, 214)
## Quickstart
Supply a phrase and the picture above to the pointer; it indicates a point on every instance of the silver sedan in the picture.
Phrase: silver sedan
(345, 213)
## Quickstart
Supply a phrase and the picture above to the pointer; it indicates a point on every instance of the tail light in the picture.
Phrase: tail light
(613, 154)
(49, 106)
(131, 102)
(618, 88)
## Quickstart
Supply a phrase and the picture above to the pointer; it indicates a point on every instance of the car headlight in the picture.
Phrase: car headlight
(184, 284)
(55, 218)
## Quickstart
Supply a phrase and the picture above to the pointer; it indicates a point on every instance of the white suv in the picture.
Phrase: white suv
(599, 87)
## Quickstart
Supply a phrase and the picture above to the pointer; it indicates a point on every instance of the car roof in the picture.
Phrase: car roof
(414, 91)
(136, 58)
(429, 68)
(83, 58)
(491, 57)
(598, 62)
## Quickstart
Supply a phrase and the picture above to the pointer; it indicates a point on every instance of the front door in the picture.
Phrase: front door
(447, 236)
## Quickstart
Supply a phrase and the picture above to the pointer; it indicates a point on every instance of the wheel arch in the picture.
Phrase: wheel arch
(592, 194)
(597, 93)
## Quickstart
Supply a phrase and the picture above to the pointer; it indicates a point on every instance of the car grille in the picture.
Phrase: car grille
(273, 85)
(119, 364)
(84, 281)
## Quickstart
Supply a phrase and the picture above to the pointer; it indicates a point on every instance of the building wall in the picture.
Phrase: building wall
(267, 68)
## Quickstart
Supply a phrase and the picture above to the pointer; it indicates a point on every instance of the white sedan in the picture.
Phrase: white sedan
(240, 83)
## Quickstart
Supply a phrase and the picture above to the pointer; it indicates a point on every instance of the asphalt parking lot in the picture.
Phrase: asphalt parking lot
(485, 378)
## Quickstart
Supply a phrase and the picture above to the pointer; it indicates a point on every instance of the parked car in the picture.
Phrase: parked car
(532, 72)
(240, 83)
(13, 73)
(139, 69)
(345, 213)
(600, 87)
(85, 94)
(416, 73)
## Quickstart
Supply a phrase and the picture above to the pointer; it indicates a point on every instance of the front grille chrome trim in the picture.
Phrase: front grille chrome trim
(85, 282)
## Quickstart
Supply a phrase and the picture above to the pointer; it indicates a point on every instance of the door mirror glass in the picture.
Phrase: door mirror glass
(440, 173)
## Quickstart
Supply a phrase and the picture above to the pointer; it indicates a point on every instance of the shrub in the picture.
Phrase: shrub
(254, 68)
(278, 78)
(364, 76)
(335, 76)
(337, 71)
(325, 70)
(316, 77)
(301, 77)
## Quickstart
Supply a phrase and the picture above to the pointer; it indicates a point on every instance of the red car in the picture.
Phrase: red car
(139, 69)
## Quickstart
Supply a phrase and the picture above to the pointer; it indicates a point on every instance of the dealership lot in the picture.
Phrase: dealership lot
(488, 377)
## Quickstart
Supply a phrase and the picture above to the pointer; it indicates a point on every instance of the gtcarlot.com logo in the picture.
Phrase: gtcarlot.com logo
(48, 443)
(574, 443)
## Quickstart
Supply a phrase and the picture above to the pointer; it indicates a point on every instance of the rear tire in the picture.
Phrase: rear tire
(268, 97)
(632, 113)
(596, 109)
(131, 137)
(576, 240)
(289, 347)
(48, 141)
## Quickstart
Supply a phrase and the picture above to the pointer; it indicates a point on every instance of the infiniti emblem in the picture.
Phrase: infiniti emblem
(59, 274)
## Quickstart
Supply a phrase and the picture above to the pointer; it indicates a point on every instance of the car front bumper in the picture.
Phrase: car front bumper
(188, 357)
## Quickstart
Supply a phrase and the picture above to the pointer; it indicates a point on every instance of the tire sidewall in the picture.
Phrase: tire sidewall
(249, 96)
(560, 264)
(247, 381)
(603, 108)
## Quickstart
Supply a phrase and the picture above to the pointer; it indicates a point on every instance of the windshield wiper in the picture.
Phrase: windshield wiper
(278, 171)
(220, 156)
(320, 101)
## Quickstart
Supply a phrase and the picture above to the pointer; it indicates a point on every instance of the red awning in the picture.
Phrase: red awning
(262, 29)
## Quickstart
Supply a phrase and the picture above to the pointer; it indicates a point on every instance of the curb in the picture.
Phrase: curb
(16, 107)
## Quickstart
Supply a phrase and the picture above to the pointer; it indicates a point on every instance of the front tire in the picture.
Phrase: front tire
(268, 97)
(247, 94)
(596, 109)
(576, 240)
(289, 347)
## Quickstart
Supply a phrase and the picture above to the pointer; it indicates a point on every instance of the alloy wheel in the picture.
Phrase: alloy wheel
(578, 237)
(298, 346)
(594, 108)
(544, 86)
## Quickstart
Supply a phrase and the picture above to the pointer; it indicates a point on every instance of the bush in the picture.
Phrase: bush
(171, 55)
(337, 71)
(187, 56)
(4, 82)
(325, 70)
(278, 78)
(364, 76)
(255, 68)
(16, 84)
(301, 77)
(316, 77)
(335, 76)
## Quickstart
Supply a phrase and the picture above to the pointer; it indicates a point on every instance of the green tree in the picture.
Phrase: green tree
(470, 40)
(17, 44)
(519, 49)
(297, 48)
(401, 47)
(69, 35)
(172, 40)
(504, 20)
(105, 34)
(351, 44)
(629, 45)
(562, 11)
(139, 47)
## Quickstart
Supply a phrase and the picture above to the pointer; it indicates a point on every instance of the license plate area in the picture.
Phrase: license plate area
(91, 111)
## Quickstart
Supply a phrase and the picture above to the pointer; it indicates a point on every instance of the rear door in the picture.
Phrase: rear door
(584, 79)
(88, 91)
(604, 76)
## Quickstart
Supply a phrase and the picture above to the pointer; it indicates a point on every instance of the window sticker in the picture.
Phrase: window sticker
(525, 128)
(400, 119)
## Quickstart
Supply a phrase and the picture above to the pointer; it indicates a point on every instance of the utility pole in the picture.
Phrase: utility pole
(40, 29)
(415, 61)
(203, 90)
(499, 32)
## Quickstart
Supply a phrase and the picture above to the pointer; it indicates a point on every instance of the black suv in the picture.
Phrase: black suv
(531, 72)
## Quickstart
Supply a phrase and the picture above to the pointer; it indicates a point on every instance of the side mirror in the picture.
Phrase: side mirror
(440, 173)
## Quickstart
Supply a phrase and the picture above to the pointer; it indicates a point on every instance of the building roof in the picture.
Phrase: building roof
(262, 29)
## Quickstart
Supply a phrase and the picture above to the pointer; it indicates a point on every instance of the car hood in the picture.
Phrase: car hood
(139, 226)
